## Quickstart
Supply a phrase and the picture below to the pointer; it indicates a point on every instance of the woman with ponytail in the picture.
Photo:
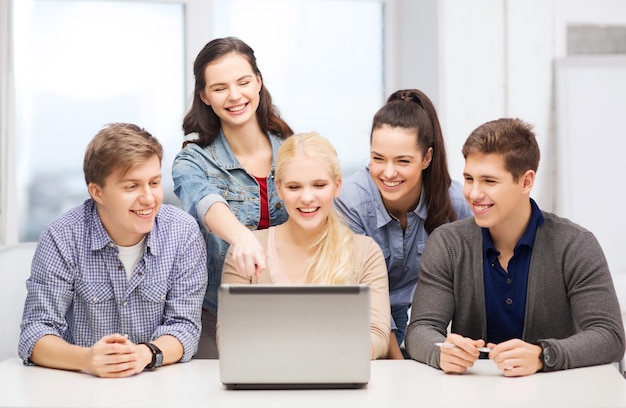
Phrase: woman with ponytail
(315, 245)
(404, 194)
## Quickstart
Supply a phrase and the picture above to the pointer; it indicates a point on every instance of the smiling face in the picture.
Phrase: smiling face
(497, 200)
(232, 90)
(128, 203)
(307, 190)
(396, 165)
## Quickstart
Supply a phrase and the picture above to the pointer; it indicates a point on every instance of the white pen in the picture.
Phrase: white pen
(450, 345)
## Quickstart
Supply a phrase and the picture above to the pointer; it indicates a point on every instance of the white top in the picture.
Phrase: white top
(392, 383)
(130, 255)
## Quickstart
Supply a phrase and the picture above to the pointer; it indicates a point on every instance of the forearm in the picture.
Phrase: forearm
(54, 352)
(171, 348)
(222, 222)
(394, 349)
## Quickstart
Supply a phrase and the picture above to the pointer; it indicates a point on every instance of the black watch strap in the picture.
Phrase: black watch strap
(157, 356)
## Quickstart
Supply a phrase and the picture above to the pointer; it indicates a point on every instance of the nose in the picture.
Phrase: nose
(390, 171)
(234, 93)
(474, 191)
(307, 196)
(147, 195)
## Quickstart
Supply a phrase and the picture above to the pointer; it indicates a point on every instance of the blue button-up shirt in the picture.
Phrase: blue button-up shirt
(78, 289)
(204, 176)
(361, 204)
(505, 291)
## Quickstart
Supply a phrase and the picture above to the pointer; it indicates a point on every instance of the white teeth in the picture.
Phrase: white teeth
(143, 212)
(391, 183)
(481, 207)
(308, 210)
(237, 108)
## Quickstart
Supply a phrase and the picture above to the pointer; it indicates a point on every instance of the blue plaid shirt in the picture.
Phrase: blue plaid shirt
(78, 288)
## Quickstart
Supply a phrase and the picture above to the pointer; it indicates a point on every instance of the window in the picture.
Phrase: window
(79, 66)
(322, 61)
(82, 64)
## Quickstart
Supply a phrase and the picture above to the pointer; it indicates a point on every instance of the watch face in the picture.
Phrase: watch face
(549, 356)
(158, 361)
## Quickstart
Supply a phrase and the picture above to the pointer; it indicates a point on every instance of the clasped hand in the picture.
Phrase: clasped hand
(514, 357)
(117, 356)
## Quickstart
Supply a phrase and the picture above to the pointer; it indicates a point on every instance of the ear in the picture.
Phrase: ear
(95, 191)
(427, 158)
(277, 182)
(528, 180)
(204, 98)
(338, 188)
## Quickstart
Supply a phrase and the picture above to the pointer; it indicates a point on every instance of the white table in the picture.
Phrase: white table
(392, 384)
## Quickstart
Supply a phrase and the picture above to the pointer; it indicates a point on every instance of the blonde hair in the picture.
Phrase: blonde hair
(333, 259)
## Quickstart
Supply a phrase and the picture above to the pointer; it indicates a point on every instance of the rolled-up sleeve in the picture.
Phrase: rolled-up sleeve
(183, 308)
(49, 294)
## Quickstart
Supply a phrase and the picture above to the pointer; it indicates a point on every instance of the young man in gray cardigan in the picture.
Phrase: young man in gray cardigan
(534, 288)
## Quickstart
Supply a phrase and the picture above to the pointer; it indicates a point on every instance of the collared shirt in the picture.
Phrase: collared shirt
(362, 206)
(78, 289)
(204, 176)
(505, 291)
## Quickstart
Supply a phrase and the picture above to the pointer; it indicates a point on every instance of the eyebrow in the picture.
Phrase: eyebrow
(237, 80)
(404, 156)
(136, 180)
(481, 176)
(325, 180)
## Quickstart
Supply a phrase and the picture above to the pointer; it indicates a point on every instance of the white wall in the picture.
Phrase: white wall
(484, 59)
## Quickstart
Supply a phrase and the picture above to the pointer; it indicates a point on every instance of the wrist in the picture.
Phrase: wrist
(547, 356)
(539, 356)
(152, 356)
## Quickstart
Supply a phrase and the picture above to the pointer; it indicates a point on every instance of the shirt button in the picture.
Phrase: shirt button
(124, 303)
(162, 297)
(509, 301)
(112, 245)
(509, 281)
(410, 227)
(140, 273)
(493, 265)
(94, 299)
(278, 206)
(120, 267)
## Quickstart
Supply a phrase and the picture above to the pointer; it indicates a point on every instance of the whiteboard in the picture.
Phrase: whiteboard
(591, 149)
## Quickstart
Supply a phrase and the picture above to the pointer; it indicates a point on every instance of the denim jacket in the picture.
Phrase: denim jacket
(204, 176)
(362, 206)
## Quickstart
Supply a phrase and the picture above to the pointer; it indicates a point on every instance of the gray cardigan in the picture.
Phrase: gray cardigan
(571, 302)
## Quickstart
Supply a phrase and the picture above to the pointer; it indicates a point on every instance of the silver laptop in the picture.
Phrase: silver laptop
(296, 336)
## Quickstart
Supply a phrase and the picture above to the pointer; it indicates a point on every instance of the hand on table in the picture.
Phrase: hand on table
(458, 359)
(116, 356)
(516, 357)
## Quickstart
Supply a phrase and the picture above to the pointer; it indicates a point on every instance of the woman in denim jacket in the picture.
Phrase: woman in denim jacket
(404, 194)
(224, 175)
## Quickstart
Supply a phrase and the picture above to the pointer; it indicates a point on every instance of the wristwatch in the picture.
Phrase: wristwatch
(547, 355)
(157, 356)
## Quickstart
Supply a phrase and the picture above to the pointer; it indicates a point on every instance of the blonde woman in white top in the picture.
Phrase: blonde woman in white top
(315, 245)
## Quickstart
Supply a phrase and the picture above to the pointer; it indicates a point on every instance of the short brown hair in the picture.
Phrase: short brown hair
(118, 146)
(512, 138)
